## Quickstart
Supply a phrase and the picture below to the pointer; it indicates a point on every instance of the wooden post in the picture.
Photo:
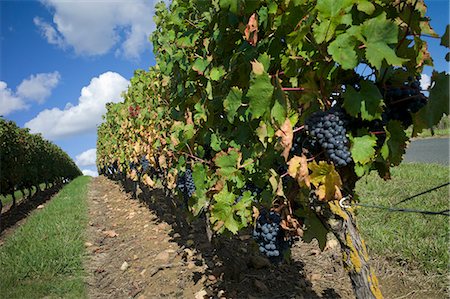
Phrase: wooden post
(342, 222)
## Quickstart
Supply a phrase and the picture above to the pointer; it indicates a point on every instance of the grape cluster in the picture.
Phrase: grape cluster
(402, 101)
(328, 130)
(269, 235)
(185, 183)
(144, 163)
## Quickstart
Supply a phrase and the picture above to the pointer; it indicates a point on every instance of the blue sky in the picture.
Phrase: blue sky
(61, 61)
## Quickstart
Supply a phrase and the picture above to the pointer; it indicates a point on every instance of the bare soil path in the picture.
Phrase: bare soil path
(143, 249)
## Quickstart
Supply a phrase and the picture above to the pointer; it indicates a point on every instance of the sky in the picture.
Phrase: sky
(62, 61)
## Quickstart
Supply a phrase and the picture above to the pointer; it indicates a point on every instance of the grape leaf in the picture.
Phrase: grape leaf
(331, 14)
(280, 107)
(217, 73)
(228, 163)
(223, 211)
(396, 142)
(314, 228)
(437, 106)
(298, 169)
(257, 67)
(326, 180)
(286, 134)
(368, 102)
(379, 33)
(231, 5)
(261, 132)
(200, 65)
(366, 6)
(232, 103)
(445, 38)
(363, 148)
(342, 49)
(260, 95)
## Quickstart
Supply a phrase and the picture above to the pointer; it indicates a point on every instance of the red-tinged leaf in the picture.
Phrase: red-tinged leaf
(286, 133)
(251, 30)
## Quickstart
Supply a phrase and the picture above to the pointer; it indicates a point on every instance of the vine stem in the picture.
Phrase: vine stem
(196, 158)
(298, 129)
(378, 132)
(292, 88)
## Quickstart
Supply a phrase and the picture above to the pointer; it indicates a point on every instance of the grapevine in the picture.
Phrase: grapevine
(265, 96)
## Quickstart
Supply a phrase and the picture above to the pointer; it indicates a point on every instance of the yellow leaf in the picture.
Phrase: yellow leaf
(148, 181)
(298, 169)
(326, 180)
(257, 67)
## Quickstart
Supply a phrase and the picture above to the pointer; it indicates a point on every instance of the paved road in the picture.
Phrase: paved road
(430, 150)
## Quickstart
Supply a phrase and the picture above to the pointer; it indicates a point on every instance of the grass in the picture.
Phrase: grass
(8, 199)
(44, 257)
(408, 238)
(427, 133)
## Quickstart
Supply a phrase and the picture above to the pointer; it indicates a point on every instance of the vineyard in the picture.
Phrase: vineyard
(265, 114)
(29, 162)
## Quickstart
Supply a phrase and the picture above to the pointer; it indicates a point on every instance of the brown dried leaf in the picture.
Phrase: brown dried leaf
(286, 134)
(110, 233)
(251, 30)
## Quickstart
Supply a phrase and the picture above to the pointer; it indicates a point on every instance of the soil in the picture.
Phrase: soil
(142, 248)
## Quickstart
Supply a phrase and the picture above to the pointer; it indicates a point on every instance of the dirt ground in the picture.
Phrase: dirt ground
(143, 249)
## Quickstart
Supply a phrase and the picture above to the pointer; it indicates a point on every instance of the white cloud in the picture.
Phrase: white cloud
(89, 172)
(38, 87)
(86, 158)
(95, 27)
(425, 81)
(9, 102)
(86, 115)
(50, 33)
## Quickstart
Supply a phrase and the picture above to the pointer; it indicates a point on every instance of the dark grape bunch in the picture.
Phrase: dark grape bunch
(185, 183)
(144, 163)
(327, 128)
(269, 235)
(402, 101)
(255, 191)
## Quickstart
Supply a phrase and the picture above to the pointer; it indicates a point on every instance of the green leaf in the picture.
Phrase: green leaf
(363, 148)
(231, 5)
(227, 162)
(331, 13)
(199, 177)
(379, 33)
(261, 132)
(264, 58)
(376, 52)
(314, 228)
(445, 37)
(342, 49)
(216, 143)
(396, 142)
(200, 65)
(280, 106)
(437, 106)
(222, 211)
(232, 103)
(217, 73)
(366, 6)
(368, 102)
(260, 95)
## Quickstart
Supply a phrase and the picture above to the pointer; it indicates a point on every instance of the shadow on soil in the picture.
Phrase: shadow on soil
(13, 215)
(236, 269)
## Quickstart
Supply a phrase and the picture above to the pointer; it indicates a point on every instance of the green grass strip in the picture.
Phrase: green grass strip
(418, 240)
(44, 257)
